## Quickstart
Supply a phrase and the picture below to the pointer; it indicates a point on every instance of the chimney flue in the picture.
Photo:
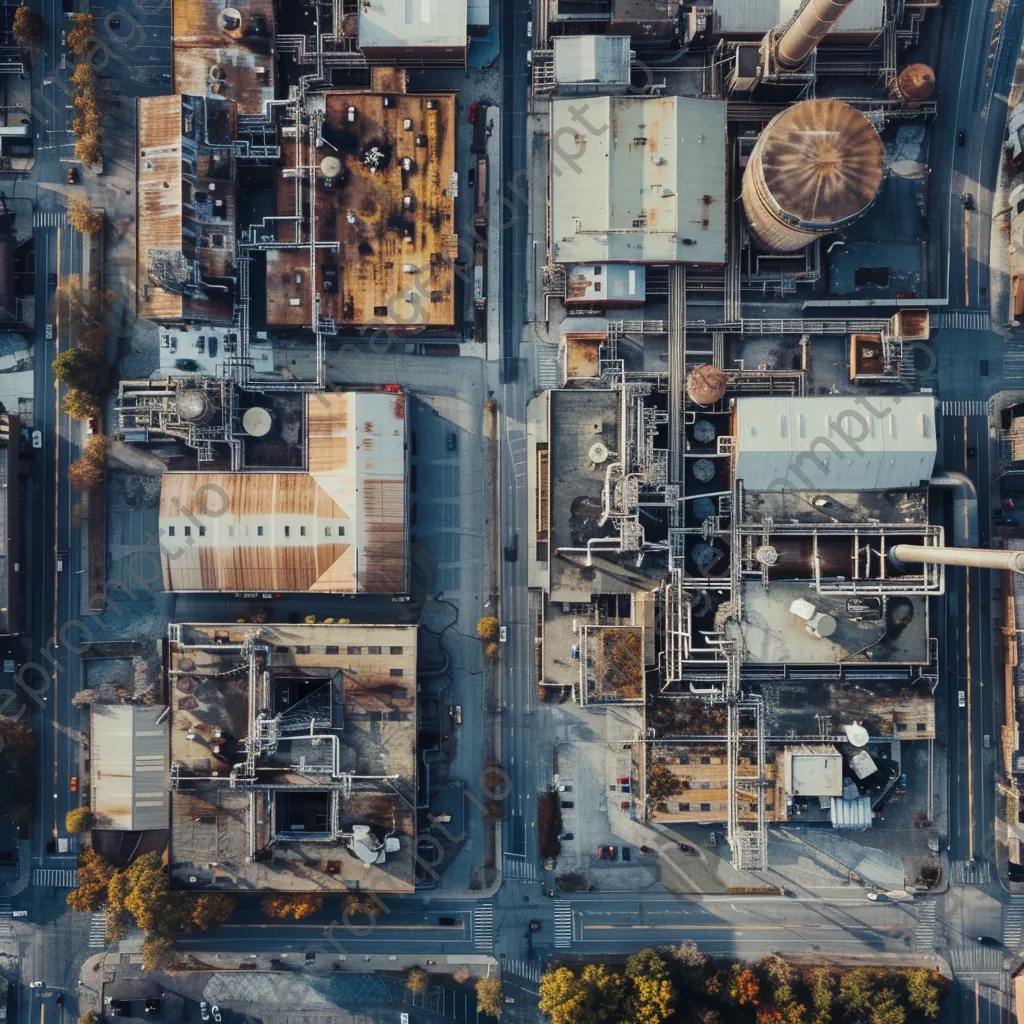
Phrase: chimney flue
(809, 27)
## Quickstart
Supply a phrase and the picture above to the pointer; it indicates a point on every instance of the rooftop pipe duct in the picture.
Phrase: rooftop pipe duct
(806, 30)
(975, 558)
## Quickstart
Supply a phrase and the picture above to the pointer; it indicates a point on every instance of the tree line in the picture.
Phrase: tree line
(684, 986)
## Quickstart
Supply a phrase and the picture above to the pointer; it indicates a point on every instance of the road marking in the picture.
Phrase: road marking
(964, 408)
(523, 968)
(563, 924)
(98, 930)
(795, 927)
(518, 867)
(49, 219)
(1013, 922)
(483, 926)
(971, 872)
(924, 929)
(961, 320)
(59, 878)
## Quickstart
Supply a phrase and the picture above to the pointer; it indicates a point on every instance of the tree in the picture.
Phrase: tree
(745, 988)
(489, 997)
(211, 909)
(87, 150)
(925, 991)
(92, 1017)
(28, 27)
(354, 905)
(296, 907)
(856, 992)
(492, 651)
(648, 963)
(82, 34)
(77, 369)
(158, 954)
(417, 981)
(78, 820)
(886, 1008)
(651, 1000)
(149, 898)
(90, 468)
(80, 405)
(595, 996)
(487, 628)
(84, 217)
(93, 875)
(821, 982)
(662, 783)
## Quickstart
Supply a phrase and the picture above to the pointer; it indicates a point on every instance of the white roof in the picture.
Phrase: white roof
(128, 770)
(835, 443)
(600, 60)
(389, 23)
(638, 179)
(761, 15)
(813, 771)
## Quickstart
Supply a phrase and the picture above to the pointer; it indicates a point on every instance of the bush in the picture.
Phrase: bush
(416, 981)
(80, 405)
(84, 217)
(487, 628)
(78, 820)
(89, 470)
(492, 651)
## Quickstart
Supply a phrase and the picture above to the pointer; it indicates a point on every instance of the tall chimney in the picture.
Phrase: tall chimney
(975, 558)
(815, 19)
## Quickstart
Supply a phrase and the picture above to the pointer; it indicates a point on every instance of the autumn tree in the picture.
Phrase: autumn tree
(83, 216)
(925, 991)
(355, 904)
(492, 651)
(487, 628)
(92, 1017)
(82, 35)
(489, 997)
(662, 783)
(117, 914)
(78, 820)
(80, 405)
(27, 27)
(158, 954)
(75, 368)
(211, 909)
(296, 907)
(93, 875)
(745, 989)
(149, 898)
(89, 469)
(886, 1008)
(594, 996)
(821, 982)
(417, 981)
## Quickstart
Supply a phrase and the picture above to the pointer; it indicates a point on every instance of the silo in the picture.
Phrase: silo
(916, 82)
(816, 167)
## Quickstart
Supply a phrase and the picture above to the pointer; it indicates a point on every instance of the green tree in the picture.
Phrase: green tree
(925, 992)
(856, 992)
(78, 820)
(80, 405)
(77, 369)
(886, 1008)
(489, 997)
(821, 982)
(27, 27)
(158, 954)
(417, 981)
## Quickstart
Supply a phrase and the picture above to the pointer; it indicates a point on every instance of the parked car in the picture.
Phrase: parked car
(564, 837)
(878, 897)
(987, 940)
(188, 365)
(446, 922)
(961, 699)
(74, 783)
(471, 177)
(567, 805)
(458, 714)
(92, 425)
(574, 652)
(204, 1010)
(474, 112)
(961, 138)
(609, 852)
(451, 442)
(626, 853)
(600, 853)
(72, 175)
(564, 788)
(624, 805)
(37, 984)
(686, 848)
(37, 439)
(215, 1011)
(623, 781)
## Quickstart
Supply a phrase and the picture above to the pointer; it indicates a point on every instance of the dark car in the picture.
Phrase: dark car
(152, 1007)
(451, 442)
(626, 853)
(960, 138)
(686, 848)
(564, 837)
(987, 940)
(189, 365)
(512, 549)
(446, 922)
(51, 281)
(330, 279)
(471, 177)
(567, 805)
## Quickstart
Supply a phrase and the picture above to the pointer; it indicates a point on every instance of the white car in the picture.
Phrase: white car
(204, 1010)
(961, 699)
(503, 634)
(215, 1010)
(37, 439)
(38, 984)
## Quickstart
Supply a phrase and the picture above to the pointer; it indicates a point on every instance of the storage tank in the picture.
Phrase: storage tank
(816, 168)
(257, 421)
(706, 385)
(194, 406)
(916, 82)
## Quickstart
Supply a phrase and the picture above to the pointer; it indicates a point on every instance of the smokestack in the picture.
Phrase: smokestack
(813, 22)
(975, 558)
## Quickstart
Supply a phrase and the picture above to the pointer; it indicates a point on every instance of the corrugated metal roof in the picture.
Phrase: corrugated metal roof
(602, 60)
(418, 23)
(340, 527)
(638, 179)
(734, 16)
(834, 443)
(854, 813)
(128, 772)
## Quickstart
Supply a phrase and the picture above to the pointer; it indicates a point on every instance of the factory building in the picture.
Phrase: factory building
(293, 757)
(186, 219)
(648, 22)
(638, 180)
(412, 32)
(751, 19)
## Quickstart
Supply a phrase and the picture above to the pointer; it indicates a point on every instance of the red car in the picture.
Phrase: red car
(74, 783)
(609, 853)
(474, 112)
(600, 853)
(624, 781)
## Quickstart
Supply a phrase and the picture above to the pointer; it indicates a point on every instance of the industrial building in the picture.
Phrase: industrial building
(410, 32)
(293, 757)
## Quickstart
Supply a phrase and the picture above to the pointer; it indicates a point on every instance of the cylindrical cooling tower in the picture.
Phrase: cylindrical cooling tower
(816, 167)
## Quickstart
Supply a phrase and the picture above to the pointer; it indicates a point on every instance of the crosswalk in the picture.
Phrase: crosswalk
(961, 320)
(964, 408)
(971, 872)
(49, 218)
(58, 878)
(548, 374)
(974, 959)
(924, 928)
(528, 969)
(1013, 357)
(98, 930)
(6, 913)
(517, 867)
(483, 927)
(1013, 923)
(563, 924)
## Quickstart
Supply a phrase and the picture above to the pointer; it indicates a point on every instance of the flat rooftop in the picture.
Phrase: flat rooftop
(327, 801)
(338, 526)
(638, 179)
(432, 24)
(852, 507)
(736, 17)
(395, 226)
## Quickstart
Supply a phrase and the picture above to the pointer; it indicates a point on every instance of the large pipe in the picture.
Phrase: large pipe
(975, 558)
(815, 19)
(965, 507)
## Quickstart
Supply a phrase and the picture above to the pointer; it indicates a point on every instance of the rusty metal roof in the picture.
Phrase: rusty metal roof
(339, 527)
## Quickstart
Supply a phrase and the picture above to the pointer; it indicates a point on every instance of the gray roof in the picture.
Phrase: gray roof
(834, 443)
(388, 23)
(129, 767)
(855, 813)
(638, 179)
(761, 15)
(599, 60)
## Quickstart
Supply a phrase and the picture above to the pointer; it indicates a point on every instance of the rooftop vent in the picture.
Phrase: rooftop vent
(229, 20)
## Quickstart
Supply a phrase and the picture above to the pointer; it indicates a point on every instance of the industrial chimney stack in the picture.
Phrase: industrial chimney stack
(806, 30)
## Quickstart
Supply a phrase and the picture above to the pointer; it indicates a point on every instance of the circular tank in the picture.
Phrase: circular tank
(194, 406)
(330, 167)
(706, 385)
(816, 167)
(915, 83)
(257, 421)
(704, 431)
(598, 453)
(703, 471)
(703, 508)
